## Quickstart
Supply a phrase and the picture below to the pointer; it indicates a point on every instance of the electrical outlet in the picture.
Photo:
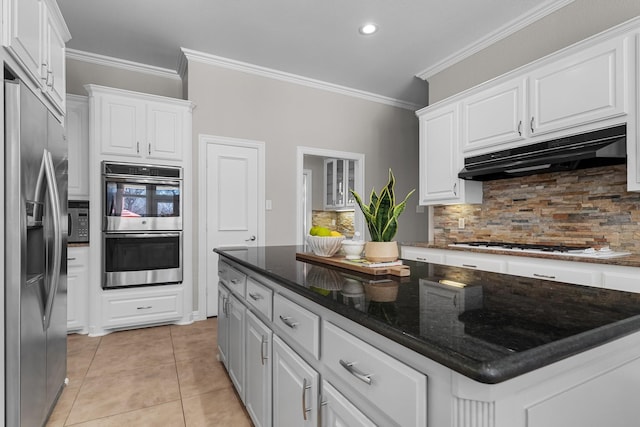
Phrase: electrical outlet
(461, 223)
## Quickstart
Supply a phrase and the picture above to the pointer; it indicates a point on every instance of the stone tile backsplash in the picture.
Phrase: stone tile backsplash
(584, 207)
(341, 221)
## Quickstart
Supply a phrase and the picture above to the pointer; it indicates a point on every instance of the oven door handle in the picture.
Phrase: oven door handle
(134, 179)
(108, 235)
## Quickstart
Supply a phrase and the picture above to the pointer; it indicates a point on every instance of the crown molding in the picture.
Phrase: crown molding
(506, 30)
(110, 61)
(205, 58)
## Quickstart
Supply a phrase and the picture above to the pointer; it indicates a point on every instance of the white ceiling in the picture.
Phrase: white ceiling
(317, 39)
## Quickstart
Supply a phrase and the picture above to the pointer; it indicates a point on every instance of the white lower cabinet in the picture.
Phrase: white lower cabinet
(236, 353)
(478, 262)
(77, 288)
(223, 324)
(549, 270)
(337, 411)
(258, 395)
(294, 382)
(399, 391)
(121, 308)
(435, 256)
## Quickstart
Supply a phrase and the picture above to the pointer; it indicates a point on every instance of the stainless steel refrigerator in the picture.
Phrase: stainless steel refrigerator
(35, 258)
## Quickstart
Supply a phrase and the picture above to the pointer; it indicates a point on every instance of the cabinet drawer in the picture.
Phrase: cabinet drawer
(235, 280)
(422, 254)
(124, 309)
(78, 257)
(376, 376)
(260, 297)
(628, 281)
(477, 262)
(551, 271)
(298, 323)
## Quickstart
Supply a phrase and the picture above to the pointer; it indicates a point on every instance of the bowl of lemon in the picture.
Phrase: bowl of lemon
(324, 242)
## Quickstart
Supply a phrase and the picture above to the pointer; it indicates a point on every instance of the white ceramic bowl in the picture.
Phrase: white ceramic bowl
(353, 248)
(324, 246)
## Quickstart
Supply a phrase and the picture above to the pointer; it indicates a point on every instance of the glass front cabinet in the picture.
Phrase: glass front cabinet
(339, 179)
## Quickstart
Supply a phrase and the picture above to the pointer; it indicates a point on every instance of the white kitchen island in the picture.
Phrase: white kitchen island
(500, 351)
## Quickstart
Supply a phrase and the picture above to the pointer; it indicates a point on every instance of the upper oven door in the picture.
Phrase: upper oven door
(142, 203)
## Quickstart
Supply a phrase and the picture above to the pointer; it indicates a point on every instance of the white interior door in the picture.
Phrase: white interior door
(234, 217)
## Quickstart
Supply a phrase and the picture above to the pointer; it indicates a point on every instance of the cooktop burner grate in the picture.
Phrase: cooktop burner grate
(525, 246)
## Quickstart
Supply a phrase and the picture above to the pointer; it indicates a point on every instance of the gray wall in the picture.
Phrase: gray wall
(284, 115)
(80, 73)
(316, 165)
(572, 23)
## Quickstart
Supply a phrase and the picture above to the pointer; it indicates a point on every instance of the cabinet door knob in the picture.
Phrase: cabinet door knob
(520, 128)
(149, 148)
(531, 124)
(250, 239)
(138, 147)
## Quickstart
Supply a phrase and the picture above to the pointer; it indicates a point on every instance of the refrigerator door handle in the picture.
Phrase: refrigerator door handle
(47, 171)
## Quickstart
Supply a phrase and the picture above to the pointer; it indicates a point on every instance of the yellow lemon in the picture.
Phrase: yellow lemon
(323, 232)
(335, 234)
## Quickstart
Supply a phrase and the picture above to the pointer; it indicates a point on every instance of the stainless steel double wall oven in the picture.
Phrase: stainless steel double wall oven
(142, 225)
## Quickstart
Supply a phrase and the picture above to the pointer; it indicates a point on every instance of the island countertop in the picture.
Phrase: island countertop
(490, 327)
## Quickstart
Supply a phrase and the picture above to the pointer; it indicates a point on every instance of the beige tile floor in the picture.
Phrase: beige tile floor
(163, 376)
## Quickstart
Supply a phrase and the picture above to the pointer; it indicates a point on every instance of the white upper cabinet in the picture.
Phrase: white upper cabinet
(441, 159)
(585, 87)
(494, 116)
(122, 126)
(23, 34)
(339, 180)
(591, 85)
(36, 35)
(54, 61)
(77, 129)
(140, 126)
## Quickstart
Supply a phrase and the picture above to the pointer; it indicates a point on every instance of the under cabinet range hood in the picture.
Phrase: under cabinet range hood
(598, 148)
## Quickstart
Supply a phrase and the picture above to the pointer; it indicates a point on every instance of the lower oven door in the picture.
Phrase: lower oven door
(141, 259)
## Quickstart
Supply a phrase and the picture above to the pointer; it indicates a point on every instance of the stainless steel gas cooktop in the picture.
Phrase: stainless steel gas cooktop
(561, 250)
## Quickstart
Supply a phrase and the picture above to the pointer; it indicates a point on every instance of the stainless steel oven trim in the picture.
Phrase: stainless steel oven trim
(141, 180)
(142, 224)
(127, 224)
(141, 277)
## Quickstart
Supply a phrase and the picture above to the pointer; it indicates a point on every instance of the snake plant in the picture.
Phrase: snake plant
(381, 214)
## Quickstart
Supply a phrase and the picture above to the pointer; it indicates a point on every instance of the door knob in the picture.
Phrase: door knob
(251, 239)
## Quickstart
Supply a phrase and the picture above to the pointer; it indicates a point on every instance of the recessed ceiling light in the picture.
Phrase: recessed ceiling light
(368, 29)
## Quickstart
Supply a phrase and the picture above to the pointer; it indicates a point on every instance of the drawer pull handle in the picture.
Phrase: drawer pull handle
(469, 265)
(419, 258)
(287, 321)
(146, 307)
(262, 356)
(305, 387)
(256, 297)
(543, 276)
(71, 259)
(365, 378)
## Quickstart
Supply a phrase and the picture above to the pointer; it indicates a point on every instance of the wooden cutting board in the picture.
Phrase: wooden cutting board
(341, 262)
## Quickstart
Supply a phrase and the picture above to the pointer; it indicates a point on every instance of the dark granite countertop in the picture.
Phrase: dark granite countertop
(487, 326)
